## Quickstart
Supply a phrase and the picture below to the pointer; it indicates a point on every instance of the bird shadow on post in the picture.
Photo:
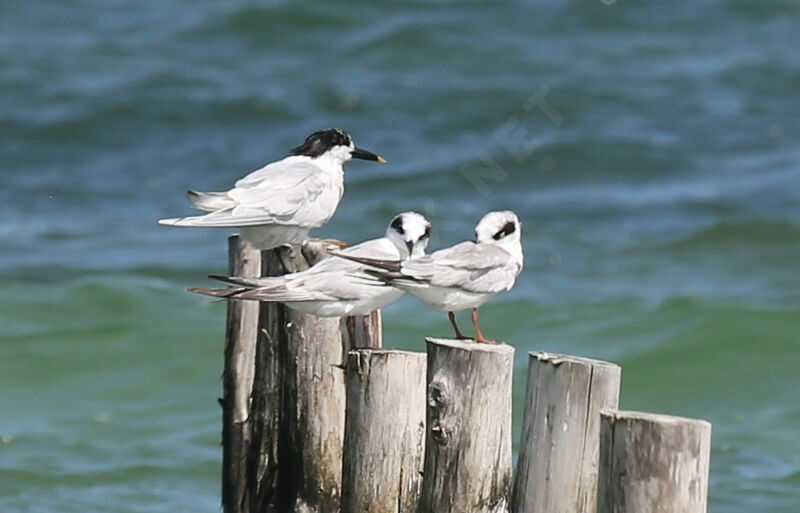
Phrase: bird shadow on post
(292, 460)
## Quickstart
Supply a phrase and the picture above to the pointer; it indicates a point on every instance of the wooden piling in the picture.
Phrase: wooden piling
(653, 463)
(559, 451)
(468, 428)
(366, 331)
(237, 379)
(384, 431)
(296, 415)
(285, 423)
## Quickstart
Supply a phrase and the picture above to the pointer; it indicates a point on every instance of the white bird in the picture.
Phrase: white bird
(461, 277)
(336, 287)
(281, 202)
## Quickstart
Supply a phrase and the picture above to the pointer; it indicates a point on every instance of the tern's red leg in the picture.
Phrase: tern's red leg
(478, 335)
(459, 335)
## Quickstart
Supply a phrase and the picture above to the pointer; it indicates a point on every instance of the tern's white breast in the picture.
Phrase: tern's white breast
(448, 299)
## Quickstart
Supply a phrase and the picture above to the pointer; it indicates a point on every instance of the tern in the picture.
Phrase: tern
(281, 202)
(336, 287)
(461, 277)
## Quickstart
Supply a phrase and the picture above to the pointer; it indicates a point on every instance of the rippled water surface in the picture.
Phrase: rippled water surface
(651, 149)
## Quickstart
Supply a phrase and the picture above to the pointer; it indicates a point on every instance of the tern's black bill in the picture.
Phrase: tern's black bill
(358, 153)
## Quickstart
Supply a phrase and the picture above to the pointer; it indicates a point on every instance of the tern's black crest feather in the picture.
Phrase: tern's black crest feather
(321, 141)
(507, 229)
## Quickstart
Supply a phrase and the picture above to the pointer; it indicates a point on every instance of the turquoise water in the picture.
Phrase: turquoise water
(650, 148)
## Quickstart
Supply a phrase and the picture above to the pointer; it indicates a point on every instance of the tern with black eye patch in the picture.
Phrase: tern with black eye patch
(508, 229)
(464, 276)
(397, 224)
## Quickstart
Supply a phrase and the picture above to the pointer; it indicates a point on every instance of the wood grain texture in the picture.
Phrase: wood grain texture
(266, 403)
(237, 379)
(559, 451)
(298, 405)
(363, 332)
(468, 435)
(384, 431)
(653, 463)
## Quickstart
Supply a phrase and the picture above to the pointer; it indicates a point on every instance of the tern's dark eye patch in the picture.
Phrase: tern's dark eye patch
(427, 231)
(507, 229)
(319, 142)
(397, 224)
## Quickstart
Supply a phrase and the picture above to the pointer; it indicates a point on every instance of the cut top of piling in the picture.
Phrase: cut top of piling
(557, 359)
(653, 418)
(470, 345)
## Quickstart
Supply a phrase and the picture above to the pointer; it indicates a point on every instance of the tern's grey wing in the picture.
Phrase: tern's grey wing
(332, 279)
(472, 267)
(345, 279)
(278, 294)
(292, 287)
(336, 285)
(254, 283)
(382, 249)
(487, 280)
(283, 294)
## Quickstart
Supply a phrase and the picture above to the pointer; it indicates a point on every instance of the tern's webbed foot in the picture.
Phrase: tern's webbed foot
(333, 242)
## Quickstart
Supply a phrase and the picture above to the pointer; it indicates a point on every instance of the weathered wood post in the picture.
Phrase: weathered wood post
(559, 452)
(653, 463)
(468, 428)
(366, 331)
(296, 414)
(384, 431)
(237, 379)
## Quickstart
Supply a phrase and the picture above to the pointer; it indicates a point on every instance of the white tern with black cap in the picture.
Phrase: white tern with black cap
(281, 202)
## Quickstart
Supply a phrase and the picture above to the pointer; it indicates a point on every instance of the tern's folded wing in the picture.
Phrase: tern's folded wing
(273, 171)
(330, 286)
(300, 196)
(473, 267)
(332, 279)
(276, 294)
(254, 283)
(342, 285)
(284, 295)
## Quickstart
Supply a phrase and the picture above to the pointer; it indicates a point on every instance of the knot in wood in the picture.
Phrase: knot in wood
(437, 394)
(438, 400)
